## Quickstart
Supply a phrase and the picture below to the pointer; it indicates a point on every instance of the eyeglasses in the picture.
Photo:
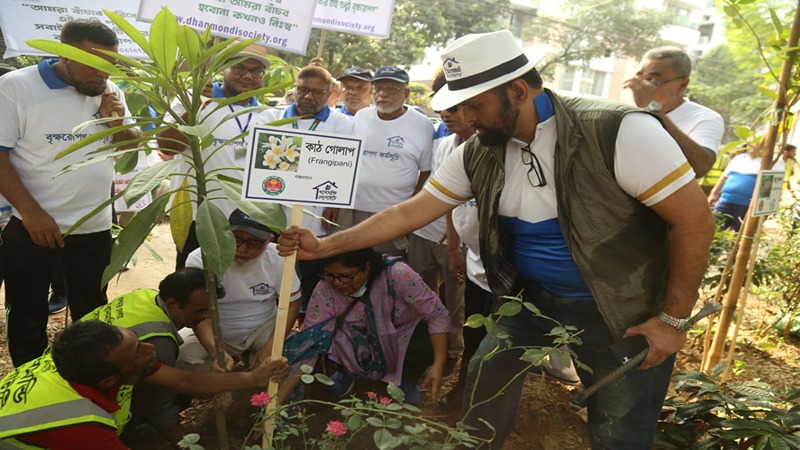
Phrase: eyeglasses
(361, 88)
(251, 243)
(659, 83)
(301, 92)
(451, 110)
(346, 279)
(537, 179)
(388, 90)
(240, 70)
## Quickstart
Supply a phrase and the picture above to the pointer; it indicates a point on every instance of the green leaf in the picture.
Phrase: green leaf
(509, 308)
(94, 137)
(180, 216)
(374, 421)
(201, 131)
(324, 379)
(776, 22)
(532, 308)
(383, 439)
(76, 54)
(215, 237)
(132, 236)
(768, 92)
(306, 378)
(269, 214)
(126, 163)
(475, 321)
(163, 40)
(189, 44)
(130, 30)
(395, 392)
(145, 181)
(305, 368)
(354, 422)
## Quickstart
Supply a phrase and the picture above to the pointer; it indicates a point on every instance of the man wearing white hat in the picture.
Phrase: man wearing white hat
(588, 207)
(244, 76)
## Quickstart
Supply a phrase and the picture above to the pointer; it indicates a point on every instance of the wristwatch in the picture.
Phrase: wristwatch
(682, 325)
(653, 106)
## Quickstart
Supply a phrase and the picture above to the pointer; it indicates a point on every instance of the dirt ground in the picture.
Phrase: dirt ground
(545, 420)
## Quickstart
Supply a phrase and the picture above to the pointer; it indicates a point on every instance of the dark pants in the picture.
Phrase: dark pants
(191, 245)
(27, 271)
(733, 214)
(476, 301)
(622, 415)
(419, 355)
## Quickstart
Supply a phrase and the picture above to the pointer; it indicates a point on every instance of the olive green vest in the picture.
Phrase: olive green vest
(138, 312)
(34, 397)
(619, 245)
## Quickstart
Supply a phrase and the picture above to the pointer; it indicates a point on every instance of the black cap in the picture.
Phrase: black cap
(391, 73)
(357, 72)
(242, 222)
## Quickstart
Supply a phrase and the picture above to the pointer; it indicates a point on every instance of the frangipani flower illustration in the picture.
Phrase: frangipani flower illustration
(279, 152)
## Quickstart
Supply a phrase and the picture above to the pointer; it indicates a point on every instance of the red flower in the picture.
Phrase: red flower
(260, 399)
(385, 400)
(336, 428)
(372, 395)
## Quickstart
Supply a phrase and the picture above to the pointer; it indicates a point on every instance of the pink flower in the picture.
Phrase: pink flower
(385, 400)
(260, 399)
(372, 395)
(336, 428)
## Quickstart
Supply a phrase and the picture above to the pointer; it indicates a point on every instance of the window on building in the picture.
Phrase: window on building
(583, 81)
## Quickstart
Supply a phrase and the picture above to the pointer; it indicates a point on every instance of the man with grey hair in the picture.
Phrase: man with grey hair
(659, 87)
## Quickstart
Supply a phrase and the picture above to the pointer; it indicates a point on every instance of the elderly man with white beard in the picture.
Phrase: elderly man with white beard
(247, 302)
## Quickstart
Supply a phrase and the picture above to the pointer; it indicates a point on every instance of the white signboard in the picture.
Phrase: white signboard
(301, 167)
(768, 192)
(24, 20)
(281, 24)
(367, 17)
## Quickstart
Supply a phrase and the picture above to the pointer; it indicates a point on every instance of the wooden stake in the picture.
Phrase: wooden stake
(280, 328)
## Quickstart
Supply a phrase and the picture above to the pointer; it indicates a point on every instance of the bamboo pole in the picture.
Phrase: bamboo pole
(751, 224)
(743, 304)
(280, 328)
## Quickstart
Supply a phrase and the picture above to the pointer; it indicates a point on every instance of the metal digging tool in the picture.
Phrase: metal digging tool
(707, 309)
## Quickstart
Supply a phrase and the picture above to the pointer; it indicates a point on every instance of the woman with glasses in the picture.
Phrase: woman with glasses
(374, 318)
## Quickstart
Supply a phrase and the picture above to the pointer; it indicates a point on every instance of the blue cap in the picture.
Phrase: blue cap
(240, 221)
(357, 72)
(393, 73)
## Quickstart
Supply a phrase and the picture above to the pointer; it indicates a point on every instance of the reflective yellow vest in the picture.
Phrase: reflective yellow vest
(138, 312)
(34, 397)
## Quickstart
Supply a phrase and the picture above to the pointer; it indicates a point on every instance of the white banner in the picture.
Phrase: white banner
(24, 20)
(301, 167)
(367, 17)
(281, 24)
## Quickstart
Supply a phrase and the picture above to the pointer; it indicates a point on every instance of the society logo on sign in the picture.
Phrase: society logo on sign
(273, 185)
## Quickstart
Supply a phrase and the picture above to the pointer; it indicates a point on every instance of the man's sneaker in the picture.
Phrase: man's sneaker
(411, 392)
(449, 368)
(56, 303)
(554, 369)
(342, 384)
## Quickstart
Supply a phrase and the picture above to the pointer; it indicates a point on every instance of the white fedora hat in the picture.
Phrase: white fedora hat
(475, 63)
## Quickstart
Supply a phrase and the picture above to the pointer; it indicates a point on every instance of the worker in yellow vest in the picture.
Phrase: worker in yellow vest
(76, 396)
(155, 317)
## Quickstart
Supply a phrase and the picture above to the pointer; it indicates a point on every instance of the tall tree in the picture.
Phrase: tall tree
(416, 24)
(739, 78)
(593, 29)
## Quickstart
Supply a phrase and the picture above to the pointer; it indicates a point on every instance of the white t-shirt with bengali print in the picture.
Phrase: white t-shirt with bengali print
(251, 292)
(393, 154)
(38, 112)
(649, 173)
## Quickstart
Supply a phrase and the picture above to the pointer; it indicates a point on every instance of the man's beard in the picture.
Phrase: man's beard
(504, 125)
(87, 89)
